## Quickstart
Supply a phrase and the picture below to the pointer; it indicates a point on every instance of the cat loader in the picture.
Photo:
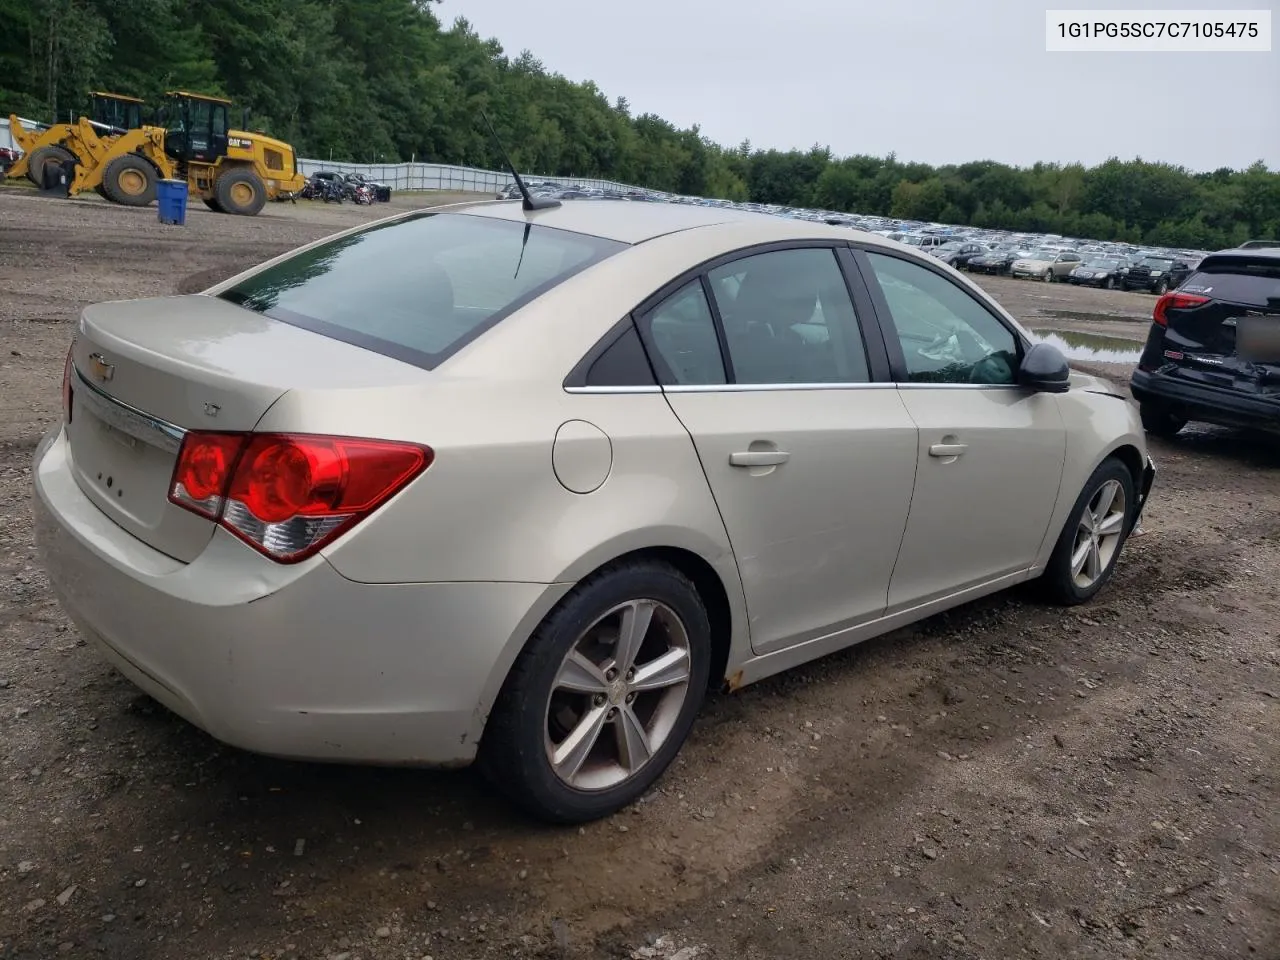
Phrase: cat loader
(110, 115)
(232, 171)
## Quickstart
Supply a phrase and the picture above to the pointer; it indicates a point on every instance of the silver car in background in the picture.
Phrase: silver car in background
(520, 486)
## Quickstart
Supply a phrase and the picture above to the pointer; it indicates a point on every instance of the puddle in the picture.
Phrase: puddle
(1092, 346)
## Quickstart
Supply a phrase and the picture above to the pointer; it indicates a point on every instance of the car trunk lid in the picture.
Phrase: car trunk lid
(1223, 328)
(146, 371)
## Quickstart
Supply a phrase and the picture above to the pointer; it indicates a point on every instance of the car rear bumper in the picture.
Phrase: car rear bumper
(1194, 401)
(293, 661)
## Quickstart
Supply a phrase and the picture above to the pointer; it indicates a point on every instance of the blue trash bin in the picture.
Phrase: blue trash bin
(171, 197)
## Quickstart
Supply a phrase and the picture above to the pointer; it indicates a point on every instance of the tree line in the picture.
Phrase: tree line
(386, 80)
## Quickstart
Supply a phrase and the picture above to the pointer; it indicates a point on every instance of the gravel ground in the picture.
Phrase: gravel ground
(1005, 780)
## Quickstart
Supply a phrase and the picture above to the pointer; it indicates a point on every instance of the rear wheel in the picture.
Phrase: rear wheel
(1090, 543)
(602, 697)
(240, 191)
(44, 157)
(129, 180)
(1159, 421)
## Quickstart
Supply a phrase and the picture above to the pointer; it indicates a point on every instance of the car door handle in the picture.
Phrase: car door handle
(948, 449)
(758, 458)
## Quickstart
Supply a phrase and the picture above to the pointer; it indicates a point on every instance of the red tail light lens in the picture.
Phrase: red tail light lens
(289, 495)
(66, 384)
(1177, 301)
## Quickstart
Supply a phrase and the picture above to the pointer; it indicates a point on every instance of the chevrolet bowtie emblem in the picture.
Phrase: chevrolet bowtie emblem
(101, 369)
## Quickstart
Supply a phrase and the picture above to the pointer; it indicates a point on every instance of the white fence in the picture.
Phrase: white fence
(440, 176)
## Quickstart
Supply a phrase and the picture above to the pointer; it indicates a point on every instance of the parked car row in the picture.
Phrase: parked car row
(328, 185)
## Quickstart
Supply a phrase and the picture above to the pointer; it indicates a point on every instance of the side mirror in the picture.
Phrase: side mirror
(1045, 369)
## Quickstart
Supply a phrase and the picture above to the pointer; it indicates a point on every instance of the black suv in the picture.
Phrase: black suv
(1157, 275)
(1213, 353)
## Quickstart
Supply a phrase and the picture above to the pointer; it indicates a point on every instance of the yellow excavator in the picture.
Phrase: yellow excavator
(110, 114)
(190, 138)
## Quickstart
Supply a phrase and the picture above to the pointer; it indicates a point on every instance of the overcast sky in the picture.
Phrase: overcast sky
(932, 80)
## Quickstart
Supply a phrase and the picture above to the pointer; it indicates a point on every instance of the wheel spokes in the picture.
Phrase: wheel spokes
(1094, 563)
(1081, 556)
(580, 675)
(574, 749)
(1112, 524)
(633, 741)
(1102, 504)
(665, 671)
(633, 627)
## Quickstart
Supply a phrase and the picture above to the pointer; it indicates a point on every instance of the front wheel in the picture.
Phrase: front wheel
(1162, 288)
(1048, 276)
(240, 191)
(603, 696)
(1095, 532)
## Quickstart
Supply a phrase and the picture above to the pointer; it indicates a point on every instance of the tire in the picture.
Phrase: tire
(130, 180)
(1062, 582)
(533, 710)
(1161, 288)
(1158, 421)
(1048, 276)
(42, 158)
(1107, 284)
(212, 204)
(240, 191)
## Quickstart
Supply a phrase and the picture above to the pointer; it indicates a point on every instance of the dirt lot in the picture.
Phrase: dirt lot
(1006, 780)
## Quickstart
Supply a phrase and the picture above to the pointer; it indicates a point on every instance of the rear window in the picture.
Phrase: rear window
(1237, 281)
(419, 289)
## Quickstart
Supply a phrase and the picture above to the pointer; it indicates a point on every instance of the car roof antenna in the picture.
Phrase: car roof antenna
(530, 202)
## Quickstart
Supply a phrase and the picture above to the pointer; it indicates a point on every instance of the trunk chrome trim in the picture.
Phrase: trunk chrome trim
(129, 419)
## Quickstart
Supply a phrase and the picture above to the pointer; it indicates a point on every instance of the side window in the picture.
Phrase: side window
(683, 335)
(622, 364)
(788, 319)
(947, 335)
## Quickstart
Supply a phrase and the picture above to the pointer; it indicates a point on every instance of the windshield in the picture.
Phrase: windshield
(422, 288)
(1102, 264)
(1044, 255)
(1159, 262)
(914, 241)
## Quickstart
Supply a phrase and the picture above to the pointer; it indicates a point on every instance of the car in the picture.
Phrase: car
(1156, 274)
(1045, 264)
(1099, 272)
(519, 486)
(1213, 351)
(997, 261)
(958, 252)
(8, 157)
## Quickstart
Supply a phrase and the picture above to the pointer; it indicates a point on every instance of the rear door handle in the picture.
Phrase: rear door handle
(948, 449)
(758, 458)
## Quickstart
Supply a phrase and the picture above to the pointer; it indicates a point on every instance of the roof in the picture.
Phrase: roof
(116, 96)
(1254, 255)
(630, 222)
(196, 96)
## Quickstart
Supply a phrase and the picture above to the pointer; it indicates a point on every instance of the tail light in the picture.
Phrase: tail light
(289, 495)
(1177, 301)
(67, 367)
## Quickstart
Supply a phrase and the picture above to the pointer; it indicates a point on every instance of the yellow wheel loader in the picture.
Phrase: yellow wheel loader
(110, 115)
(232, 171)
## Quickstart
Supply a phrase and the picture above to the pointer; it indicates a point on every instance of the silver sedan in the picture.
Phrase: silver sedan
(520, 485)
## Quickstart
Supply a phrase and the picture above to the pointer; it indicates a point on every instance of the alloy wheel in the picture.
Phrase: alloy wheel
(1098, 534)
(617, 695)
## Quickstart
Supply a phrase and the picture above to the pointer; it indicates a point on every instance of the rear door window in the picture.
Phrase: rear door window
(422, 288)
(1252, 282)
